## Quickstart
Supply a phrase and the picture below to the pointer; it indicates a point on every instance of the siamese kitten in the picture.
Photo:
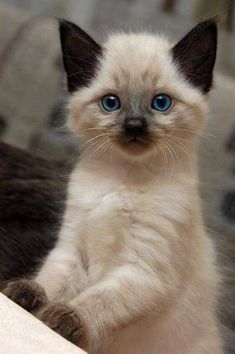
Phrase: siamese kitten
(133, 271)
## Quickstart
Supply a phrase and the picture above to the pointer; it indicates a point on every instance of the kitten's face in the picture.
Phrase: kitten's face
(136, 100)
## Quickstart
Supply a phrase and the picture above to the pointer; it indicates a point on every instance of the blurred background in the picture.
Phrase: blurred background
(33, 95)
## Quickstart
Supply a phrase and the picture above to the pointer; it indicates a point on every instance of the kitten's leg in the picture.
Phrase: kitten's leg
(126, 295)
(64, 262)
(50, 284)
(58, 271)
(64, 266)
(57, 275)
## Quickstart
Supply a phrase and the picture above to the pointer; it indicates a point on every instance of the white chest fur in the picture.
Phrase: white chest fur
(120, 221)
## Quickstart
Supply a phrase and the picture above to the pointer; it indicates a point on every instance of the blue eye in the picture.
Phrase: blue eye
(111, 103)
(161, 103)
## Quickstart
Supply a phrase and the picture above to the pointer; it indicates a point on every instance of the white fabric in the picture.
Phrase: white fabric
(21, 333)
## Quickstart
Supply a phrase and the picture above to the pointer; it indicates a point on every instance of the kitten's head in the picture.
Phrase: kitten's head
(138, 94)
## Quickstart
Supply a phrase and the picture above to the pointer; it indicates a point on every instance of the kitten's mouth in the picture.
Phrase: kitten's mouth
(134, 139)
(133, 144)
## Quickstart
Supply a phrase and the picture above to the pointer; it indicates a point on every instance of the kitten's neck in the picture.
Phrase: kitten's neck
(138, 171)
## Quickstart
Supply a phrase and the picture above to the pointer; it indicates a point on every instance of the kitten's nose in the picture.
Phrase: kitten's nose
(135, 126)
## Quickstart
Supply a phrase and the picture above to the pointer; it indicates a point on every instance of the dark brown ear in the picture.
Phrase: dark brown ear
(195, 54)
(80, 55)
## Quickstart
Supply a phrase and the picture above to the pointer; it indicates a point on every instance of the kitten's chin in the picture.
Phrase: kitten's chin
(134, 147)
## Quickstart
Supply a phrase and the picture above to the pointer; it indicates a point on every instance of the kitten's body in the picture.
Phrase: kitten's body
(132, 258)
(137, 225)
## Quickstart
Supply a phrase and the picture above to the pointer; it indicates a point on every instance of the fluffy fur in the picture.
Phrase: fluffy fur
(133, 261)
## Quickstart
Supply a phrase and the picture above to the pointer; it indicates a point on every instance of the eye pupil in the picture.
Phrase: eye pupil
(161, 103)
(110, 103)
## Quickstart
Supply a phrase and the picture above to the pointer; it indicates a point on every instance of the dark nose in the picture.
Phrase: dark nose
(135, 126)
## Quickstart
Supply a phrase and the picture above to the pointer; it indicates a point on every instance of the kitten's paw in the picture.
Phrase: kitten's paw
(26, 293)
(64, 320)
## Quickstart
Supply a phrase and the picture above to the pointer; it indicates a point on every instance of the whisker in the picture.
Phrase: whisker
(173, 156)
(99, 148)
(73, 158)
(91, 128)
(172, 150)
(164, 155)
(95, 137)
(180, 147)
(181, 139)
(79, 72)
(94, 146)
(191, 130)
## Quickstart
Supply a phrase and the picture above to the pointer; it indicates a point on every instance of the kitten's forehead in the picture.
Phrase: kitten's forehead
(140, 45)
(137, 58)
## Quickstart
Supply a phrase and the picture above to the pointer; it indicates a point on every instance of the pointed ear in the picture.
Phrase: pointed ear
(195, 54)
(80, 55)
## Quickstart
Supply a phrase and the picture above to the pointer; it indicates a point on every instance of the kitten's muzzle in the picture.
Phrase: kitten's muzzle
(135, 127)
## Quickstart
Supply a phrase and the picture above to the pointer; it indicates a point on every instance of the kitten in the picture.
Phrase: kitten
(133, 270)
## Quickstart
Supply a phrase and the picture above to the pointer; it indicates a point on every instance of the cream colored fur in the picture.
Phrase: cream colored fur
(133, 257)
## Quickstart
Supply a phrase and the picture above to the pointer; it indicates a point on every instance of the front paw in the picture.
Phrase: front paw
(64, 320)
(26, 293)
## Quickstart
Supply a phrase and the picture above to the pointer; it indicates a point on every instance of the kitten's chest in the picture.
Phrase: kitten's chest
(108, 210)
(117, 222)
(110, 206)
